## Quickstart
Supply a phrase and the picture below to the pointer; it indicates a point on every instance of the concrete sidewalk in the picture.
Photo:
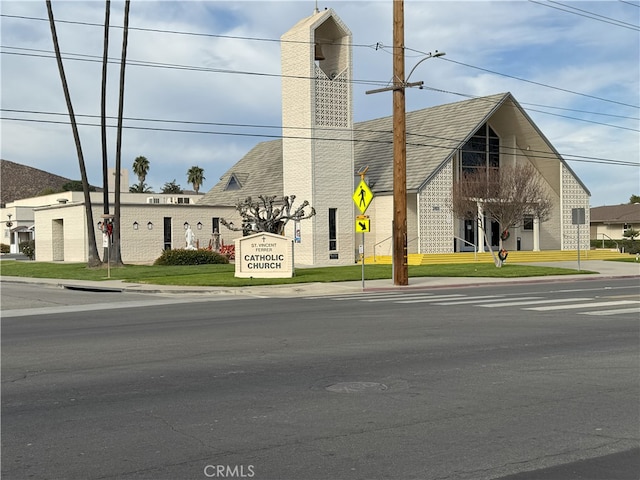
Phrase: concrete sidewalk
(605, 269)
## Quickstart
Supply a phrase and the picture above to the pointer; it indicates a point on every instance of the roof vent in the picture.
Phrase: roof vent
(63, 200)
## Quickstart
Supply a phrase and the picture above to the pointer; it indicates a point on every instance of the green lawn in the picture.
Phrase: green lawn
(223, 275)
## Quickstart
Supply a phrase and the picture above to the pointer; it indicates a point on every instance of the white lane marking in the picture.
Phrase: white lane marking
(533, 302)
(582, 305)
(435, 298)
(491, 298)
(613, 312)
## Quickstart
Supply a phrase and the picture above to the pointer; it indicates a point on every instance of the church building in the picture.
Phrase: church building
(322, 150)
(318, 160)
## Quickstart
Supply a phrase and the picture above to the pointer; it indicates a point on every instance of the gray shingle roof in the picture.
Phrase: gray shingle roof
(259, 172)
(433, 135)
(625, 213)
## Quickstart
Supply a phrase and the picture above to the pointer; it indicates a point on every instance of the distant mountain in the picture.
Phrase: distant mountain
(20, 181)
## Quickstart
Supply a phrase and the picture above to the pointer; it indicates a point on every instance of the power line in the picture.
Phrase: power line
(541, 84)
(171, 66)
(377, 46)
(466, 95)
(191, 34)
(96, 59)
(588, 14)
(456, 142)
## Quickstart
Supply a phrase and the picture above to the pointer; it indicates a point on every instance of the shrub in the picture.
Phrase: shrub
(228, 251)
(28, 248)
(190, 257)
(606, 244)
(631, 246)
(4, 248)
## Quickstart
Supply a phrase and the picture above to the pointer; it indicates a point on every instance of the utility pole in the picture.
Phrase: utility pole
(400, 83)
(400, 268)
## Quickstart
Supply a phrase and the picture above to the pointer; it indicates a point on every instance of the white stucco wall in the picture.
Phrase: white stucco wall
(61, 231)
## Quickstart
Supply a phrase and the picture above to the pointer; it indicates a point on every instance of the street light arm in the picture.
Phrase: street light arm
(431, 55)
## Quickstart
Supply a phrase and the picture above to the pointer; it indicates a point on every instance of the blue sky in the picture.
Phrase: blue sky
(572, 65)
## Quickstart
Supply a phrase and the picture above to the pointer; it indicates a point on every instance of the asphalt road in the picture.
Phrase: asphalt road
(451, 384)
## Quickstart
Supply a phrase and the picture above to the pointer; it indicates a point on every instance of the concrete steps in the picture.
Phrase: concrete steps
(514, 257)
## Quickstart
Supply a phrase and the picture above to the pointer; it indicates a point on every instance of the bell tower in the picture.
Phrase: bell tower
(317, 129)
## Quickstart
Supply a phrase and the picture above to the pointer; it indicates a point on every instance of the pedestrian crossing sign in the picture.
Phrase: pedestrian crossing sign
(362, 196)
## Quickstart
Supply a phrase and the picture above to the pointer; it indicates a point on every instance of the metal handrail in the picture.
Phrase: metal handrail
(605, 235)
(374, 247)
(475, 247)
(389, 238)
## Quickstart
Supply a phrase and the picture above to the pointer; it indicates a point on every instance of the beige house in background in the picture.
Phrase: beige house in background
(610, 222)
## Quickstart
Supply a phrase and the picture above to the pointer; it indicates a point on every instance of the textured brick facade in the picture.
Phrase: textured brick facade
(317, 146)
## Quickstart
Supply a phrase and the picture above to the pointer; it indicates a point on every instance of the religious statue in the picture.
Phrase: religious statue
(189, 238)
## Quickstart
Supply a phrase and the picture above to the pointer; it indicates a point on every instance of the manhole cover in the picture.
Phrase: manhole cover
(357, 387)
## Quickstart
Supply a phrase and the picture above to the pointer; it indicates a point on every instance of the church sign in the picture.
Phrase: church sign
(264, 255)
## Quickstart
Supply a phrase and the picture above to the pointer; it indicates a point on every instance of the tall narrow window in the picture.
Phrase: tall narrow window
(481, 152)
(167, 233)
(333, 235)
(215, 221)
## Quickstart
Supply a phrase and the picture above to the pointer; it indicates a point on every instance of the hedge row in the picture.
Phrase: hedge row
(190, 257)
(628, 246)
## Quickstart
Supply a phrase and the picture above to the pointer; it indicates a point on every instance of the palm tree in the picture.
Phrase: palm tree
(93, 259)
(140, 188)
(141, 168)
(195, 176)
(103, 117)
(171, 187)
(123, 60)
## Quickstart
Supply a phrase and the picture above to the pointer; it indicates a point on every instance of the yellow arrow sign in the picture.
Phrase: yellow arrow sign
(363, 224)
(362, 196)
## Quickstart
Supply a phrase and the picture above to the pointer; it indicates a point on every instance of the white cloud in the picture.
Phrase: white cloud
(521, 39)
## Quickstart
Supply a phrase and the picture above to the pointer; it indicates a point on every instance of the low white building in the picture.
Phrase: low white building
(150, 223)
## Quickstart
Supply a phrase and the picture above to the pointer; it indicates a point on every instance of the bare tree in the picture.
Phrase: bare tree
(507, 195)
(267, 214)
(93, 259)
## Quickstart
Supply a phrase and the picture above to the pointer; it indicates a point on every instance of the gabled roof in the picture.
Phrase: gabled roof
(442, 130)
(259, 172)
(625, 213)
(433, 136)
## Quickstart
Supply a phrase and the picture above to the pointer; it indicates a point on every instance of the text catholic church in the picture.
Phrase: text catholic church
(321, 150)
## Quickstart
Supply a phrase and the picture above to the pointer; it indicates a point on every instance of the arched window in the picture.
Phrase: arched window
(481, 152)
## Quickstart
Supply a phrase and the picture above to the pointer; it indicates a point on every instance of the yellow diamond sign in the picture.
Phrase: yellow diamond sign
(362, 196)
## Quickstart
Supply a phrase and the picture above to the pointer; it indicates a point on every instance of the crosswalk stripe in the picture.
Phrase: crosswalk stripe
(613, 312)
(396, 296)
(435, 298)
(480, 300)
(583, 305)
(532, 301)
(376, 295)
(414, 298)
